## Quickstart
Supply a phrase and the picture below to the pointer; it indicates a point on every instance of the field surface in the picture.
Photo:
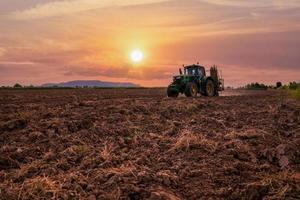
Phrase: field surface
(138, 144)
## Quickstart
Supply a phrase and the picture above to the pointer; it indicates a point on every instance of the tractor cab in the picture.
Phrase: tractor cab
(194, 70)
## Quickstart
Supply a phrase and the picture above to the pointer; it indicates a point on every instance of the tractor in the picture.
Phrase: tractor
(194, 81)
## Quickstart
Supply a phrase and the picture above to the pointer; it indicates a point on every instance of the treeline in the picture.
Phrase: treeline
(260, 86)
(294, 90)
(21, 87)
(17, 85)
(294, 85)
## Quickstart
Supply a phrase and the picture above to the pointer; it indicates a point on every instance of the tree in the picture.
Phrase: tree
(293, 85)
(254, 86)
(17, 85)
(278, 84)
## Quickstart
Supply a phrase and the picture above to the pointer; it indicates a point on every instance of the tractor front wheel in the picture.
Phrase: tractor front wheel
(172, 93)
(191, 90)
(210, 88)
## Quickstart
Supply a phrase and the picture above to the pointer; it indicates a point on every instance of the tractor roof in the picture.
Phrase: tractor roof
(194, 66)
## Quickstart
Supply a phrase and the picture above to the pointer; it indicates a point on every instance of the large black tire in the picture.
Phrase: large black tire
(210, 88)
(172, 93)
(191, 90)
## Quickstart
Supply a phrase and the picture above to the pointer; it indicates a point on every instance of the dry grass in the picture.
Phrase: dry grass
(82, 149)
(116, 173)
(40, 188)
(191, 107)
(188, 140)
(29, 170)
(114, 194)
(122, 170)
(277, 186)
(247, 134)
(106, 151)
(79, 150)
(161, 193)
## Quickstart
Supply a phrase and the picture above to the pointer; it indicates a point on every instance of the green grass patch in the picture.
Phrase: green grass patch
(295, 93)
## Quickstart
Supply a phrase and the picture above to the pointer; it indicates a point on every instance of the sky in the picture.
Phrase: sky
(44, 41)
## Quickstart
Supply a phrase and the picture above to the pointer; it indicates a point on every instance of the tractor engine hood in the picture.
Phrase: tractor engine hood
(177, 78)
(180, 77)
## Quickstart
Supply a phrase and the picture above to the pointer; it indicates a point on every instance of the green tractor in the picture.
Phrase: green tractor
(194, 81)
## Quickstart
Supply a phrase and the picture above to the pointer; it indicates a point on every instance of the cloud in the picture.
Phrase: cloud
(235, 75)
(58, 8)
(8, 63)
(124, 71)
(280, 4)
(2, 51)
(12, 72)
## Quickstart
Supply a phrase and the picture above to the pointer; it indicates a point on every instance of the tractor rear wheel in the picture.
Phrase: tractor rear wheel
(191, 90)
(210, 88)
(172, 93)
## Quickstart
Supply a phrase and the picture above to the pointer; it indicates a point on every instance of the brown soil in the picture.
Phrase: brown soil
(138, 144)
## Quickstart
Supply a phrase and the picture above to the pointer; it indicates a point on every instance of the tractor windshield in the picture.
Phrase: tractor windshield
(193, 71)
(190, 71)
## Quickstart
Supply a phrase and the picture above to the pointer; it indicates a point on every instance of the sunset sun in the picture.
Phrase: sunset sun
(137, 56)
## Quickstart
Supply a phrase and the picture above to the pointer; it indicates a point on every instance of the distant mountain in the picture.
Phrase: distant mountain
(90, 83)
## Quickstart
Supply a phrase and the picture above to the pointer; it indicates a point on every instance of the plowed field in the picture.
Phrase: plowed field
(138, 144)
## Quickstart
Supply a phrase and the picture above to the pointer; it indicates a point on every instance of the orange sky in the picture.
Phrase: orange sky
(55, 41)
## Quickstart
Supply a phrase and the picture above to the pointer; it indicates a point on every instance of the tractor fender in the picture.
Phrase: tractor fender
(174, 88)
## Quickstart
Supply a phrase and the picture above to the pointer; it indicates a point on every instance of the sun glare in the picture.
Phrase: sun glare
(136, 56)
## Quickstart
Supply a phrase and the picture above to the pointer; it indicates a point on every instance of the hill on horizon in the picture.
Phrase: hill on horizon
(90, 83)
